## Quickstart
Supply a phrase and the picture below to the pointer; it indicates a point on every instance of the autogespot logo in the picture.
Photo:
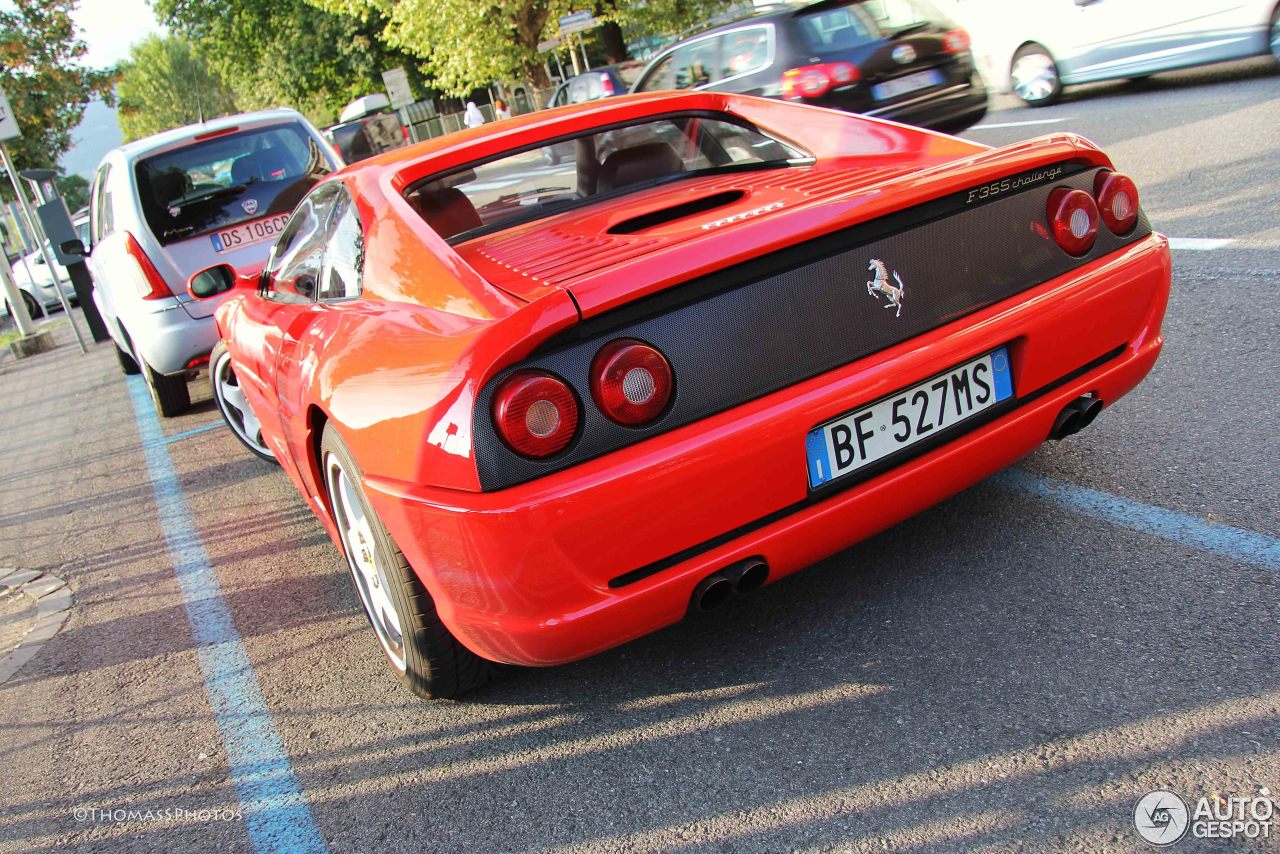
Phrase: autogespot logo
(1161, 817)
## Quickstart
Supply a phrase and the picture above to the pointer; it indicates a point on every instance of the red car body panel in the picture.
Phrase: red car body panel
(522, 574)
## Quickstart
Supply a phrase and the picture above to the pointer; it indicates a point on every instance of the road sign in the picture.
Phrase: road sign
(578, 26)
(550, 44)
(8, 121)
(397, 82)
(573, 18)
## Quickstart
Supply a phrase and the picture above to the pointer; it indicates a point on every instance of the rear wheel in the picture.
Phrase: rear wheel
(425, 655)
(234, 406)
(170, 394)
(1035, 76)
(1274, 36)
(128, 364)
(33, 305)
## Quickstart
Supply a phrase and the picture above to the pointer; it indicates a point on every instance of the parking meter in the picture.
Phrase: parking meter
(56, 222)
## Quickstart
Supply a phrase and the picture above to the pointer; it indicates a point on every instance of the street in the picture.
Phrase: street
(1012, 669)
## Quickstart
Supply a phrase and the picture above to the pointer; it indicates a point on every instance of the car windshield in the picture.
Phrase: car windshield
(531, 184)
(841, 28)
(230, 178)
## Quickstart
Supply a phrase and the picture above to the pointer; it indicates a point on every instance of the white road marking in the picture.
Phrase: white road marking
(1198, 244)
(1021, 124)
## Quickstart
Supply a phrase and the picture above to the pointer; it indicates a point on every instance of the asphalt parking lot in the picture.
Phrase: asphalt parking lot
(1012, 669)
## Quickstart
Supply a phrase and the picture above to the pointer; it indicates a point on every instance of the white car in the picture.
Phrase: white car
(168, 206)
(1036, 47)
(31, 275)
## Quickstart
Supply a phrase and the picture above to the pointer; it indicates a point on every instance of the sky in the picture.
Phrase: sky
(108, 27)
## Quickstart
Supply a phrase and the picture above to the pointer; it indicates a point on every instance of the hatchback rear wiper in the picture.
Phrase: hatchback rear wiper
(910, 28)
(214, 193)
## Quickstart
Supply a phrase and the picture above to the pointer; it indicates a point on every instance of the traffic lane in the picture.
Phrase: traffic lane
(112, 713)
(990, 636)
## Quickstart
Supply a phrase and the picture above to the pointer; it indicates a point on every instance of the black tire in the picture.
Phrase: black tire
(222, 375)
(33, 306)
(1044, 92)
(433, 664)
(1273, 35)
(170, 394)
(128, 364)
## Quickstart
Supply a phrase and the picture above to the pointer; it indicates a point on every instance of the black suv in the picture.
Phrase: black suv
(894, 59)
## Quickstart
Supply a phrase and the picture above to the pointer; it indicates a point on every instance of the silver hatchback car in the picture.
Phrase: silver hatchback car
(170, 205)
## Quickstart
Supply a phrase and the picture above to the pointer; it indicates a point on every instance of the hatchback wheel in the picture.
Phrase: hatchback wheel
(1035, 76)
(128, 364)
(34, 309)
(425, 655)
(1274, 35)
(234, 406)
(170, 394)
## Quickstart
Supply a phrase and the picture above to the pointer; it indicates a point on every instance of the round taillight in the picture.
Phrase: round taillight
(1073, 219)
(631, 382)
(1117, 200)
(535, 414)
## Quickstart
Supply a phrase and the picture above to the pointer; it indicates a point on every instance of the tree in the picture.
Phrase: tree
(467, 45)
(74, 190)
(288, 52)
(40, 72)
(165, 84)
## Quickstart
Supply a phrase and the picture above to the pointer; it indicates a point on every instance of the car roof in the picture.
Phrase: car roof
(177, 137)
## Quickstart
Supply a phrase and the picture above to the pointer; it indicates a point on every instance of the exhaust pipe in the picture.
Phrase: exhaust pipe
(748, 576)
(1075, 416)
(712, 592)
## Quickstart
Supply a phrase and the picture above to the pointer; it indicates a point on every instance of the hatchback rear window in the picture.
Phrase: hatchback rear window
(232, 178)
(831, 30)
(568, 173)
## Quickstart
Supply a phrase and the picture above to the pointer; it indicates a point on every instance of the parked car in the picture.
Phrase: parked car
(589, 86)
(168, 205)
(543, 412)
(35, 283)
(895, 59)
(1036, 47)
(367, 126)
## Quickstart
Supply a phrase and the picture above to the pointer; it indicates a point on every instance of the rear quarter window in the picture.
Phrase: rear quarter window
(229, 179)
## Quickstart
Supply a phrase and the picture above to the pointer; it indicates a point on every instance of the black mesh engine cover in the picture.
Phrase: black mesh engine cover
(758, 327)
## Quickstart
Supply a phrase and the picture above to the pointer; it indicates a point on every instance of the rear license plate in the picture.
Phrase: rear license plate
(841, 447)
(248, 233)
(910, 83)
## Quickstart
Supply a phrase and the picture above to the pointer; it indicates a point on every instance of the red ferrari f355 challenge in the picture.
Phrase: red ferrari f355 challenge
(545, 407)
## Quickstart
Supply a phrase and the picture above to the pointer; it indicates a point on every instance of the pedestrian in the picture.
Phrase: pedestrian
(472, 118)
(501, 110)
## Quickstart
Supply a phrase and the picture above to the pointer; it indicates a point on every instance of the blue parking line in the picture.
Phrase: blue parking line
(194, 431)
(1235, 543)
(276, 811)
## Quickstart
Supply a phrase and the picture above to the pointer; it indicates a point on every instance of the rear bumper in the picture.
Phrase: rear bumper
(169, 339)
(523, 575)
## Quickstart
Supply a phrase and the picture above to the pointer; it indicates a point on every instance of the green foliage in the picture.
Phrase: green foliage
(165, 84)
(74, 190)
(39, 71)
(288, 52)
(467, 45)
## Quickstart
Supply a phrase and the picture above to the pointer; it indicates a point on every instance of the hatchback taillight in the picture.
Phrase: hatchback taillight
(814, 81)
(1073, 219)
(1117, 197)
(606, 85)
(631, 382)
(151, 285)
(956, 41)
(536, 414)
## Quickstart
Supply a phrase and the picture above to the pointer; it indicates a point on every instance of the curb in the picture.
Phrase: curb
(53, 606)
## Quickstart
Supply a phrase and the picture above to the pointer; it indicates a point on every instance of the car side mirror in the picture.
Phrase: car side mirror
(212, 281)
(73, 247)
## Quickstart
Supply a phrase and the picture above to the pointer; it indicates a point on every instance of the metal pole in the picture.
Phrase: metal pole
(17, 308)
(42, 242)
(582, 44)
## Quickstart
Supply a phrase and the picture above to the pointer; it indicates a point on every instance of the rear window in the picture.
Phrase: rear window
(842, 28)
(226, 180)
(531, 184)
